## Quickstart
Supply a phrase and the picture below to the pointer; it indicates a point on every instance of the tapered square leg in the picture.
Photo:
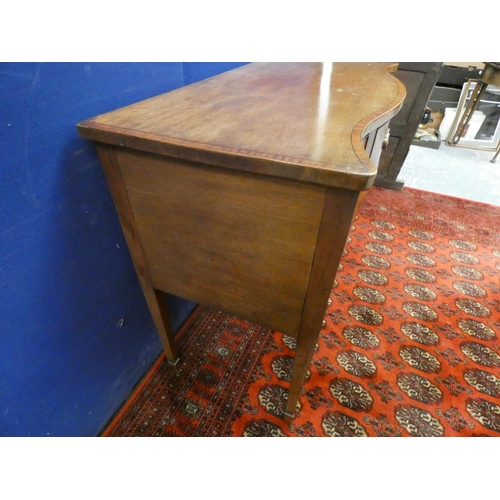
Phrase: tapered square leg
(154, 298)
(338, 209)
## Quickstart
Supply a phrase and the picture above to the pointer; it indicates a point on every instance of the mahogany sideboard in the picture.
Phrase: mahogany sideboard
(238, 192)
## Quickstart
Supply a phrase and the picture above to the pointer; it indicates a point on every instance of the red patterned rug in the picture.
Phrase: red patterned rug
(409, 345)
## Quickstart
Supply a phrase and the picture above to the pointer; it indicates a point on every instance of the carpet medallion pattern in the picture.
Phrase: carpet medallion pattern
(409, 346)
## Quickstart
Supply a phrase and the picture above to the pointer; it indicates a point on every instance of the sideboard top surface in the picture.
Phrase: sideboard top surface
(302, 121)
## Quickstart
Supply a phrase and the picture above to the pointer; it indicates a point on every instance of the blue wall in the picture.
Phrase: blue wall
(76, 335)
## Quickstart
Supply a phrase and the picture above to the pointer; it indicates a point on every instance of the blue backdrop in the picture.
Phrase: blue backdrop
(76, 335)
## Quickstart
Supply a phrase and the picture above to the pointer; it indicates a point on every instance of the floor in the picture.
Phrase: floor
(454, 171)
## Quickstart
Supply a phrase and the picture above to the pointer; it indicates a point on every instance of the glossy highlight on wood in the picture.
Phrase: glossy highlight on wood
(238, 192)
(303, 121)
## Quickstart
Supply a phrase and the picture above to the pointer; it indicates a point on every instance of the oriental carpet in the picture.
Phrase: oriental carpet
(409, 346)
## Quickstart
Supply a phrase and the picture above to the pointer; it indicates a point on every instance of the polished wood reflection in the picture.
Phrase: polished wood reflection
(238, 192)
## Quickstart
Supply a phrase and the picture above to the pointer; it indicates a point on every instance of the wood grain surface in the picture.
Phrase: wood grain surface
(303, 121)
(238, 192)
(242, 243)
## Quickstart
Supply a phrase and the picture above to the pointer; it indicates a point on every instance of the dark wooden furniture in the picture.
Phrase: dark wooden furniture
(419, 78)
(238, 192)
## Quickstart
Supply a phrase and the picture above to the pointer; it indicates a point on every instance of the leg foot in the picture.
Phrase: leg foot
(173, 363)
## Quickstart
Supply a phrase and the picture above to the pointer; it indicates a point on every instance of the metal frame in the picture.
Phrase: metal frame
(463, 116)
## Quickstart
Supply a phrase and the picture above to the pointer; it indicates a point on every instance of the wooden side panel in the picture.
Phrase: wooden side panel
(240, 242)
